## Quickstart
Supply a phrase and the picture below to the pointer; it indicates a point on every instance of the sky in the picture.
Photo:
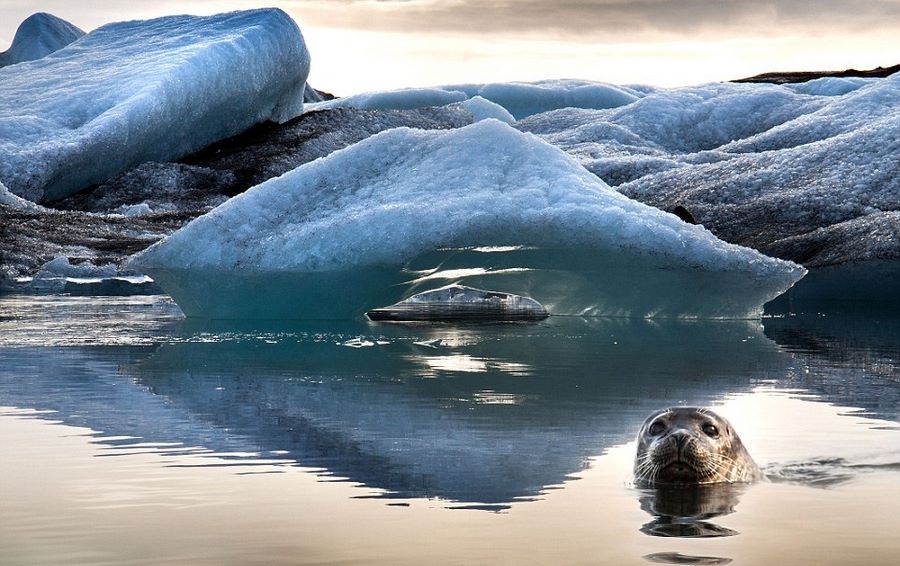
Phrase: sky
(364, 45)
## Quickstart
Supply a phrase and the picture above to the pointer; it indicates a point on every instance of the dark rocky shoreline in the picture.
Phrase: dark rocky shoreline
(803, 76)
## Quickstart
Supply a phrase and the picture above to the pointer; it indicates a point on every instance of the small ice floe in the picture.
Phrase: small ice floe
(358, 342)
(63, 275)
(141, 209)
(436, 343)
(458, 302)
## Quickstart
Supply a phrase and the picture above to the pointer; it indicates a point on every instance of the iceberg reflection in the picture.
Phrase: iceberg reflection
(492, 415)
(483, 414)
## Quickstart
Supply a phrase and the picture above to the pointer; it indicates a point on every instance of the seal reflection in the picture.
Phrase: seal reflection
(686, 511)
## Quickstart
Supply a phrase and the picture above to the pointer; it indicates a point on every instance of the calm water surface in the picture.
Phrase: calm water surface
(131, 436)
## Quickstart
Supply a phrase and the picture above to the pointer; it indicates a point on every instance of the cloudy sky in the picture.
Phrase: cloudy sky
(362, 45)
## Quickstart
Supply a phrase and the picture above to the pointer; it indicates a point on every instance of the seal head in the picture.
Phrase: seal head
(691, 446)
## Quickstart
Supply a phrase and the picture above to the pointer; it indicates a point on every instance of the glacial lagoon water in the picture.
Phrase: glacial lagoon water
(132, 436)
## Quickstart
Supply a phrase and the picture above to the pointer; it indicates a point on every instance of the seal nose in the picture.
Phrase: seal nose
(681, 438)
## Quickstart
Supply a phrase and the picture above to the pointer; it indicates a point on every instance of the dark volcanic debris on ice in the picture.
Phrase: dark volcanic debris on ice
(133, 210)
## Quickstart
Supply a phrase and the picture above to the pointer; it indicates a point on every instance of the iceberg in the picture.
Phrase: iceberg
(487, 206)
(162, 197)
(683, 120)
(458, 302)
(312, 95)
(39, 35)
(417, 98)
(60, 275)
(762, 165)
(518, 100)
(141, 91)
(523, 99)
(482, 109)
(401, 99)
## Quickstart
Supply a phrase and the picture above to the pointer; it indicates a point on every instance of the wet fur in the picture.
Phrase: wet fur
(683, 454)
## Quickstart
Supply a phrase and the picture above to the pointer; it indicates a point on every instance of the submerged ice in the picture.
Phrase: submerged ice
(145, 90)
(405, 211)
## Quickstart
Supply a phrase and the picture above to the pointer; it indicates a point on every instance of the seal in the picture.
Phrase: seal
(691, 446)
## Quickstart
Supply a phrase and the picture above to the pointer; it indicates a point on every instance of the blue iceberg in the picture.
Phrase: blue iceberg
(141, 91)
(39, 35)
(486, 206)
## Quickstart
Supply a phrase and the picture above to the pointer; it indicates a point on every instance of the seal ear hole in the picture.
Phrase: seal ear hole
(656, 428)
(710, 430)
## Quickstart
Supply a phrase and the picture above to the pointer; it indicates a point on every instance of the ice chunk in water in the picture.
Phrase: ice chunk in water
(406, 211)
(458, 302)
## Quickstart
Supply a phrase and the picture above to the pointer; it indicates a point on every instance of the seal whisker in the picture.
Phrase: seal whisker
(686, 447)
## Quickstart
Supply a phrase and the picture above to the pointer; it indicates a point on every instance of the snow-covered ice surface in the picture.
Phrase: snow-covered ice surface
(141, 91)
(406, 211)
(830, 86)
(482, 109)
(524, 99)
(39, 35)
(16, 202)
(417, 98)
(401, 99)
(517, 99)
(808, 172)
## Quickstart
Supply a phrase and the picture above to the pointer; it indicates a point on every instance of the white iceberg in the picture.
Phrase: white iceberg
(517, 99)
(524, 99)
(400, 99)
(458, 302)
(680, 120)
(406, 211)
(416, 98)
(144, 91)
(761, 165)
(39, 35)
(482, 109)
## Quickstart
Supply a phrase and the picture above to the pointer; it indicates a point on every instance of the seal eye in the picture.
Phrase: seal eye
(710, 430)
(656, 428)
